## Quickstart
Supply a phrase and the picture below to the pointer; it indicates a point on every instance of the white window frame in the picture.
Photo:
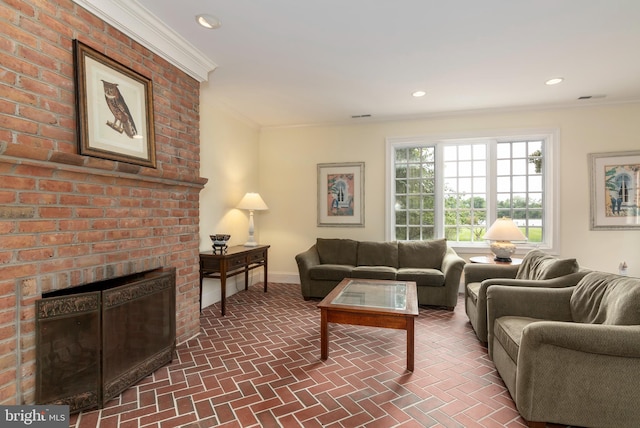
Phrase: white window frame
(551, 203)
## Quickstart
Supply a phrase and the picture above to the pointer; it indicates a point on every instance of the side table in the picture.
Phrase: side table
(488, 260)
(236, 260)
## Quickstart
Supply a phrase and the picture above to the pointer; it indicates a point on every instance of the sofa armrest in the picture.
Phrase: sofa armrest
(600, 339)
(452, 265)
(561, 281)
(532, 302)
(475, 272)
(306, 260)
(587, 374)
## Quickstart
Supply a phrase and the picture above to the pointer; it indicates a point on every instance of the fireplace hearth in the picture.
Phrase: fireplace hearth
(96, 340)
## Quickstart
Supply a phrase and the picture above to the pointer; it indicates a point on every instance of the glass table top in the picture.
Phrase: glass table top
(388, 295)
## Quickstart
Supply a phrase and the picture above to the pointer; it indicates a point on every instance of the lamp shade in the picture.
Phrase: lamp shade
(252, 201)
(504, 229)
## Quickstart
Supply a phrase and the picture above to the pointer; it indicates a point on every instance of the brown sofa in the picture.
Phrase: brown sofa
(434, 267)
(538, 269)
(570, 356)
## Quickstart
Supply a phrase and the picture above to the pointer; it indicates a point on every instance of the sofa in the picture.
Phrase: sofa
(537, 269)
(570, 356)
(435, 267)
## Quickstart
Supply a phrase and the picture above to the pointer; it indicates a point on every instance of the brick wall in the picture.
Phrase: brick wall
(67, 219)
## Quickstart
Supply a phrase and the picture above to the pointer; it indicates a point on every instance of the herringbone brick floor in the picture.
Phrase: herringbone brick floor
(259, 366)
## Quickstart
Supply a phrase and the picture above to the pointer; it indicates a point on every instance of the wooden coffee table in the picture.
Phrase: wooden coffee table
(373, 303)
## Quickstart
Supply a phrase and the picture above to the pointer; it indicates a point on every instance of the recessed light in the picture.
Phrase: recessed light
(419, 94)
(208, 21)
(554, 81)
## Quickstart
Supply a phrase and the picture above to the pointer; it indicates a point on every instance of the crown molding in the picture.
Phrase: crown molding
(145, 28)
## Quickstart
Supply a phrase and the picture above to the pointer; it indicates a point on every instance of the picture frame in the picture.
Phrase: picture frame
(115, 109)
(341, 194)
(615, 190)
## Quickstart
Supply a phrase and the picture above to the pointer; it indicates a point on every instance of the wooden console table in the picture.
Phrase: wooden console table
(236, 260)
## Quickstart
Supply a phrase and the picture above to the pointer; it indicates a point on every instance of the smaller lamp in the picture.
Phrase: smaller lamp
(501, 233)
(251, 202)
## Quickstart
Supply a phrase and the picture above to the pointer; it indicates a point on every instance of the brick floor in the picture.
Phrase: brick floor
(259, 366)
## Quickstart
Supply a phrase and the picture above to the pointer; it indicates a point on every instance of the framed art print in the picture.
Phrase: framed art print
(341, 194)
(115, 109)
(615, 190)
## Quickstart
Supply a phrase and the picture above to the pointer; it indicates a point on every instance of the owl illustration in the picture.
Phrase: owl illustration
(123, 121)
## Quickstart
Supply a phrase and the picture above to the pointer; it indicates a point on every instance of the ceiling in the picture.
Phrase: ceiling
(292, 62)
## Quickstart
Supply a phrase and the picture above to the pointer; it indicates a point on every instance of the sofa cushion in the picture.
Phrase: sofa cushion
(421, 254)
(508, 331)
(374, 272)
(330, 272)
(606, 298)
(424, 277)
(337, 251)
(378, 254)
(536, 265)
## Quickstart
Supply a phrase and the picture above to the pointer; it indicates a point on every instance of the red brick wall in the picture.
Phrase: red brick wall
(67, 219)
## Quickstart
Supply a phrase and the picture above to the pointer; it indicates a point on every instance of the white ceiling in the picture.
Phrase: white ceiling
(295, 62)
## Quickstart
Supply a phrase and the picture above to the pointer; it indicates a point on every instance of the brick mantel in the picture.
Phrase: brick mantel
(68, 219)
(17, 154)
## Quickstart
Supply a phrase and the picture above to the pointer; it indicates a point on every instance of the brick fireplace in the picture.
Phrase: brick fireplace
(66, 219)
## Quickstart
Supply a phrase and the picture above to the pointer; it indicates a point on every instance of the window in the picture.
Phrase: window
(455, 188)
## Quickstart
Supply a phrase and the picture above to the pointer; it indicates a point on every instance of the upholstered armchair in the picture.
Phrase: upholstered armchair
(537, 270)
(570, 356)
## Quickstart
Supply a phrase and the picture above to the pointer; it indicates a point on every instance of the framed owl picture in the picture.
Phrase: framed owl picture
(115, 109)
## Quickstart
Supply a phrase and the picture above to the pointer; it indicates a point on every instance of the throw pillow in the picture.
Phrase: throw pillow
(337, 251)
(422, 254)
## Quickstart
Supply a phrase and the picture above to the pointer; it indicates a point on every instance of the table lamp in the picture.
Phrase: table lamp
(252, 202)
(501, 233)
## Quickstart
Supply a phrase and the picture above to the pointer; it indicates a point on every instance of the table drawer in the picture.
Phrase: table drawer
(257, 256)
(236, 262)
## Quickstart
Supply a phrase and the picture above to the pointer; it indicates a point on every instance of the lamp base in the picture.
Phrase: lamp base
(251, 244)
(502, 250)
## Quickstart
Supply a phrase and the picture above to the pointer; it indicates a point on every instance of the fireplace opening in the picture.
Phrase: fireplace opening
(94, 341)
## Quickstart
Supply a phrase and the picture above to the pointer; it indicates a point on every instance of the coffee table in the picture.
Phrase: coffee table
(373, 303)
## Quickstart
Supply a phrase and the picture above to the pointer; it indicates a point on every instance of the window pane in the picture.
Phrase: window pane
(479, 168)
(450, 169)
(504, 151)
(504, 184)
(519, 184)
(479, 151)
(504, 167)
(519, 150)
(519, 166)
(428, 233)
(479, 185)
(415, 154)
(535, 183)
(428, 202)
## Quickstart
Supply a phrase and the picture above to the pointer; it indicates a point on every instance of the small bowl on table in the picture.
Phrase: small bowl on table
(219, 243)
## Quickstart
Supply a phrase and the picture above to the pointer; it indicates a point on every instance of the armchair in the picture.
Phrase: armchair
(537, 270)
(570, 356)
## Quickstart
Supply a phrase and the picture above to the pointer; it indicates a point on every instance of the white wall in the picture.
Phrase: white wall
(229, 159)
(281, 163)
(288, 178)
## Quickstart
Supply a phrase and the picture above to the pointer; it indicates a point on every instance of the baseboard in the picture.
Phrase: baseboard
(285, 277)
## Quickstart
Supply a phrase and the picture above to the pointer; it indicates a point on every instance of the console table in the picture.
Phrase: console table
(236, 260)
